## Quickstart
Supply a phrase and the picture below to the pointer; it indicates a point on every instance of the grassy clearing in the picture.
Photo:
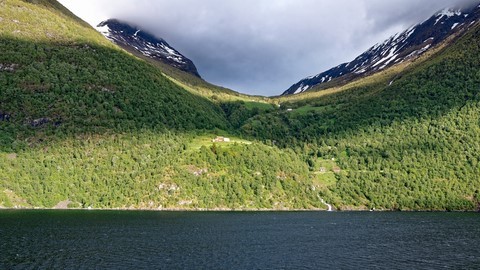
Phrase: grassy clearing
(324, 180)
(310, 108)
(326, 165)
(323, 176)
(250, 105)
(207, 141)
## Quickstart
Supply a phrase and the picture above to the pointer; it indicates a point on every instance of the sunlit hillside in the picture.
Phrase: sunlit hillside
(87, 124)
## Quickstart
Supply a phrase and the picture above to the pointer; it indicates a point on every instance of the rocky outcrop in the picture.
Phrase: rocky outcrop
(135, 39)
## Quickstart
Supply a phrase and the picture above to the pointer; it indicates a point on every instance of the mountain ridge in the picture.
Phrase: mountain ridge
(133, 38)
(401, 47)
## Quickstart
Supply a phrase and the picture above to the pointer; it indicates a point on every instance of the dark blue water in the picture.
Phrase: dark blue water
(172, 240)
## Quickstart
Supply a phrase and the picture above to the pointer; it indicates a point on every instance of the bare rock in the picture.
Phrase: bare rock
(62, 204)
(5, 116)
(39, 122)
(8, 67)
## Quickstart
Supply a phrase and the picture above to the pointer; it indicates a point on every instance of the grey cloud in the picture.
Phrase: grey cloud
(264, 46)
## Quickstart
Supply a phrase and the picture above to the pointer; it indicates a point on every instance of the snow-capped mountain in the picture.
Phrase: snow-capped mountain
(132, 38)
(401, 47)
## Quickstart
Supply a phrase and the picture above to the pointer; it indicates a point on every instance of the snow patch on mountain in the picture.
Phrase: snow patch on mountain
(128, 36)
(448, 13)
(401, 47)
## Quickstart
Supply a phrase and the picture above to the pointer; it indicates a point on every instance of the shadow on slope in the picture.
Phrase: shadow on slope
(71, 88)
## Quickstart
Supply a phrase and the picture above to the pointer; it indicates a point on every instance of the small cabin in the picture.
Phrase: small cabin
(221, 139)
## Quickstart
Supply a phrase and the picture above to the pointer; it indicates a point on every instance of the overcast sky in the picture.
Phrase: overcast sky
(264, 46)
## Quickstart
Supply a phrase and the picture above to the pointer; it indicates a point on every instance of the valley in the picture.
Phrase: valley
(96, 125)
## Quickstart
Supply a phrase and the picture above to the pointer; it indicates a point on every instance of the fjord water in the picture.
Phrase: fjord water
(238, 240)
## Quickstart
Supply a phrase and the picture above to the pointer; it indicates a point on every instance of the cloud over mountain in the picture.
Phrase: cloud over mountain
(263, 46)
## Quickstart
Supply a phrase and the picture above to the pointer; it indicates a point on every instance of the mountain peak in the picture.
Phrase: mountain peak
(134, 39)
(449, 12)
(401, 47)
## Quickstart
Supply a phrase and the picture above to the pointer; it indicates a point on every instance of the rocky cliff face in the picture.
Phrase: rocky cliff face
(401, 47)
(132, 38)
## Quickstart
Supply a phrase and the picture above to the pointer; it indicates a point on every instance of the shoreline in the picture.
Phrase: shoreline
(164, 209)
(233, 210)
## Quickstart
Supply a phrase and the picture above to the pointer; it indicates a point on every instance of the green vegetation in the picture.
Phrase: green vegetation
(154, 171)
(409, 145)
(83, 120)
(72, 86)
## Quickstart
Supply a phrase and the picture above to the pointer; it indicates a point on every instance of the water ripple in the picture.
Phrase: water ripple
(158, 240)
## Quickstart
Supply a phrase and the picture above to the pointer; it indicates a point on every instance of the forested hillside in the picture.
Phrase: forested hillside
(86, 123)
(410, 141)
(65, 76)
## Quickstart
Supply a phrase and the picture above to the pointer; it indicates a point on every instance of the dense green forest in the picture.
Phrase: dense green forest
(152, 170)
(413, 144)
(87, 123)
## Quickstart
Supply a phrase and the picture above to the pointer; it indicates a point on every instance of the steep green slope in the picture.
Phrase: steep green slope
(64, 77)
(411, 144)
(85, 122)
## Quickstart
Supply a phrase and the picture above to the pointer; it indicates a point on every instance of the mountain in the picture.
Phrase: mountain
(401, 47)
(134, 39)
(72, 79)
(62, 75)
(407, 140)
(178, 68)
(84, 123)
